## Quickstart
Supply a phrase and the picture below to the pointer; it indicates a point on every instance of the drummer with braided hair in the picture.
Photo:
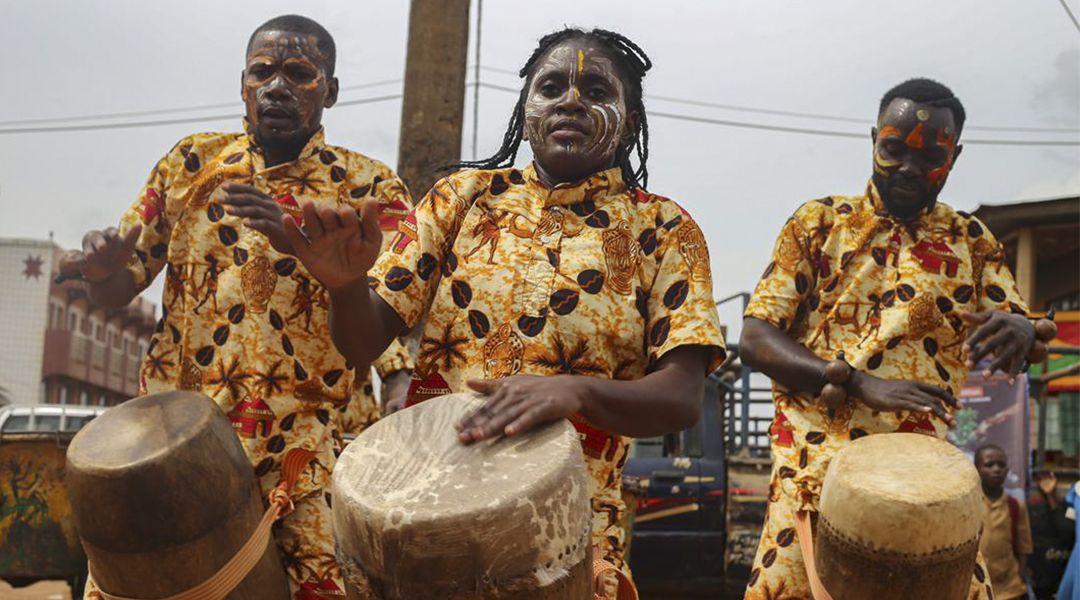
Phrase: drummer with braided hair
(560, 290)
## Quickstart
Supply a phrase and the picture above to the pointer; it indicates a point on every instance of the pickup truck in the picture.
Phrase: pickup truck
(701, 495)
(37, 532)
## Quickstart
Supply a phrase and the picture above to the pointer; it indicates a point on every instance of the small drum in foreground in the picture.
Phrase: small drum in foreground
(163, 496)
(900, 519)
(418, 514)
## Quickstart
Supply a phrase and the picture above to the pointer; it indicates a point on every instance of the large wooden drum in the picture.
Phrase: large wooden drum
(900, 519)
(418, 514)
(164, 496)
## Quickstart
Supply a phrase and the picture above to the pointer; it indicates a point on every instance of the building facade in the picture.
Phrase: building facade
(1042, 244)
(57, 347)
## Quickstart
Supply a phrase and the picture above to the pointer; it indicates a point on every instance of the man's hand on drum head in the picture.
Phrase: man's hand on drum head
(1007, 336)
(104, 253)
(519, 403)
(338, 246)
(887, 395)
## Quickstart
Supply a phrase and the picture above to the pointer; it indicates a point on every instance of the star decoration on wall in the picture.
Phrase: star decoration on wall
(33, 267)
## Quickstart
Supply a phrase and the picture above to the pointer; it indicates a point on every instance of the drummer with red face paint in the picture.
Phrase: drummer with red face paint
(869, 317)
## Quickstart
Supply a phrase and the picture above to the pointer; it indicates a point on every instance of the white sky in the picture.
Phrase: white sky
(1012, 63)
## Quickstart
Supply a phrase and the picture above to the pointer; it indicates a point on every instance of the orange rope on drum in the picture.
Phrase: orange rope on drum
(233, 572)
(601, 567)
(806, 543)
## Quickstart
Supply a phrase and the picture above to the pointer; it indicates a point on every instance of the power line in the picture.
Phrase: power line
(167, 111)
(808, 131)
(820, 117)
(159, 122)
(845, 134)
(815, 116)
(1069, 12)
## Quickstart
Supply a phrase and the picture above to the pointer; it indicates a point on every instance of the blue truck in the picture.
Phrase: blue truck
(700, 495)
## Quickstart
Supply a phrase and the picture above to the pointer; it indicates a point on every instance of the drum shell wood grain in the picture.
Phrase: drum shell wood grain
(418, 514)
(852, 572)
(900, 518)
(163, 495)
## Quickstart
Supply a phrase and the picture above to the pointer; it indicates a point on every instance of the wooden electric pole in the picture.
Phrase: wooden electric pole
(433, 107)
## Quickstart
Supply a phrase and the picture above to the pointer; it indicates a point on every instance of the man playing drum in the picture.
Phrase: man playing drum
(243, 321)
(908, 291)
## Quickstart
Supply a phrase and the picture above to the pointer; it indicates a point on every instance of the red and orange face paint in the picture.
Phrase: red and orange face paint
(946, 140)
(915, 140)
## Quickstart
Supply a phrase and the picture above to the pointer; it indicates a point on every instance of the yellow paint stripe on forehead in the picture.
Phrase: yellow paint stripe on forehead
(580, 61)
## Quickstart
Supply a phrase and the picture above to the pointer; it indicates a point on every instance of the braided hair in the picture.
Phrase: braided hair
(632, 63)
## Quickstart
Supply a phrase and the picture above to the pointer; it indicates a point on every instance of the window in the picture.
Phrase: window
(73, 321)
(647, 448)
(63, 394)
(77, 423)
(99, 332)
(44, 393)
(47, 423)
(17, 423)
(127, 345)
(56, 316)
(84, 398)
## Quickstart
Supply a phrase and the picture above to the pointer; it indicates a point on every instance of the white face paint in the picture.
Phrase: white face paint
(575, 104)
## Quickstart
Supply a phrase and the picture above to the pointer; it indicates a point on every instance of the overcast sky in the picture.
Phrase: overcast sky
(1013, 64)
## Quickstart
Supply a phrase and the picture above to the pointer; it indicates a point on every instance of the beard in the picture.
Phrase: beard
(904, 208)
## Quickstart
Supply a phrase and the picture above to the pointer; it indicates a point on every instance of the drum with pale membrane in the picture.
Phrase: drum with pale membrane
(900, 518)
(164, 496)
(418, 514)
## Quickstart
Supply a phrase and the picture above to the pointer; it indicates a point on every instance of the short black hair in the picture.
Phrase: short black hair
(926, 91)
(987, 448)
(632, 64)
(300, 24)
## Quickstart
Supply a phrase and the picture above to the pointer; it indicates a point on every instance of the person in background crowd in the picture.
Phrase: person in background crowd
(1006, 540)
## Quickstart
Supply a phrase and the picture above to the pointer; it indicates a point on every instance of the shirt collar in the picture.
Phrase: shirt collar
(609, 181)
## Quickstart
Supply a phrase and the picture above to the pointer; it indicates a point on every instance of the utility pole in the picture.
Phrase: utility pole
(434, 103)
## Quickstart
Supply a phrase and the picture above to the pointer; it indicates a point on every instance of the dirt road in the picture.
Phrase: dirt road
(43, 590)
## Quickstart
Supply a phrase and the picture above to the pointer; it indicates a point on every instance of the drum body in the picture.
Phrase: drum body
(163, 496)
(901, 515)
(418, 514)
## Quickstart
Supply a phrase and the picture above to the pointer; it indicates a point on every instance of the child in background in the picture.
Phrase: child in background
(1006, 541)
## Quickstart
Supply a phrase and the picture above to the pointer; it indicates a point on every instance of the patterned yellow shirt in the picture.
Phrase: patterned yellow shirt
(515, 277)
(241, 322)
(845, 276)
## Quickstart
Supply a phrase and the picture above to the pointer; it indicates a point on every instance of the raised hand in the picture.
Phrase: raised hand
(337, 246)
(103, 254)
(259, 212)
(888, 395)
(1009, 337)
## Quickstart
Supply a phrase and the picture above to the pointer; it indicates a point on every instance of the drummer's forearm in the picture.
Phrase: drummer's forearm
(764, 347)
(362, 324)
(664, 401)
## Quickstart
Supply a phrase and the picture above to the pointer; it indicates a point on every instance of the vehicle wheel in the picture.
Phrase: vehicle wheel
(77, 583)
